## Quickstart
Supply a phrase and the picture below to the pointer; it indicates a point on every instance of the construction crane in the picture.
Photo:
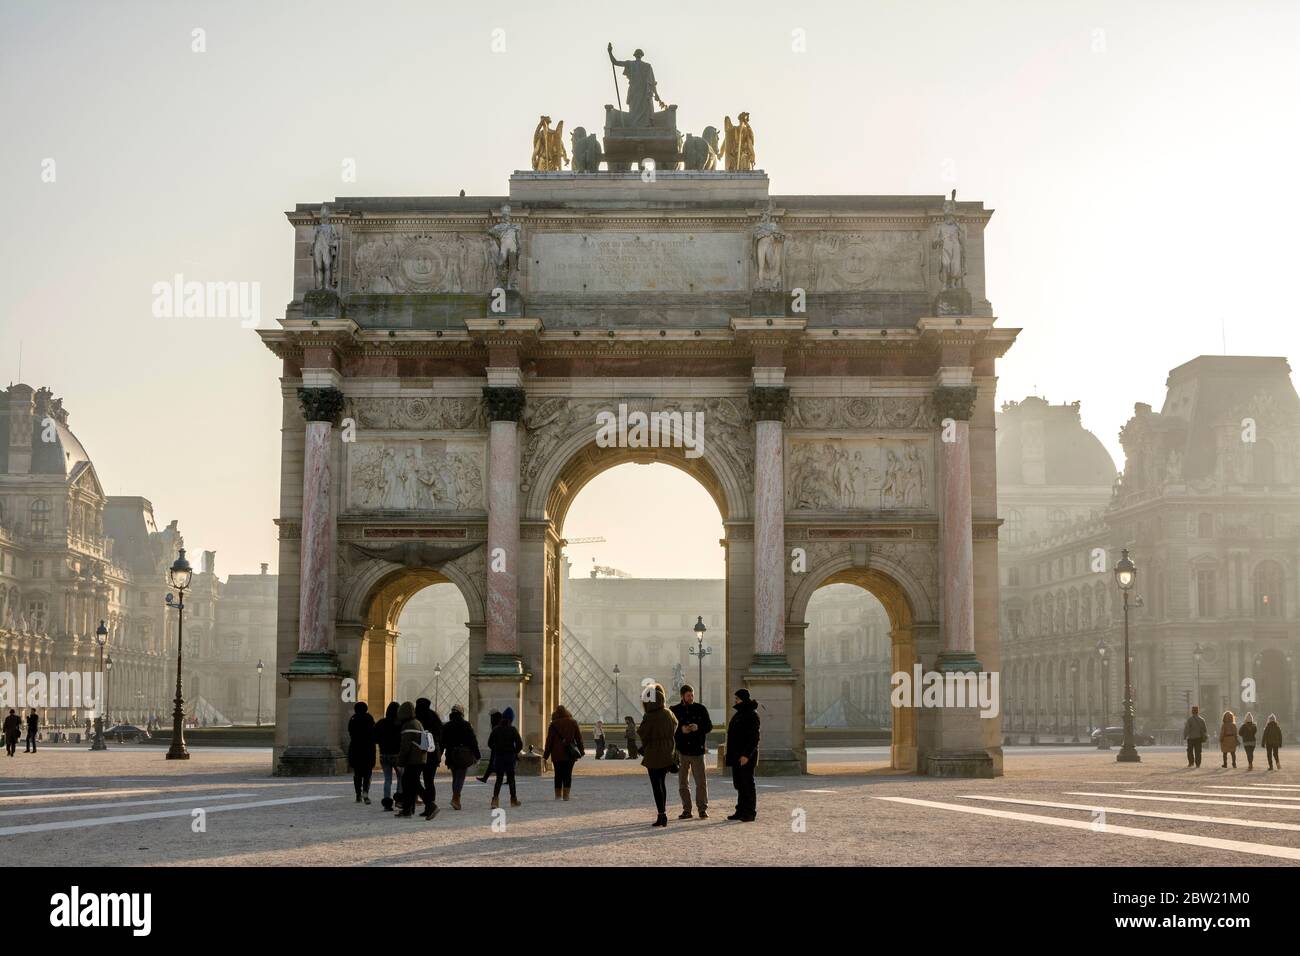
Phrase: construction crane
(595, 540)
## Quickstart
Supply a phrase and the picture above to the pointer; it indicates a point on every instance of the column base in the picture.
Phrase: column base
(949, 662)
(310, 762)
(500, 681)
(771, 680)
(313, 718)
(971, 763)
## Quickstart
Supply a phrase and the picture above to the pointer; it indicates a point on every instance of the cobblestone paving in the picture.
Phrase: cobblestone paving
(65, 806)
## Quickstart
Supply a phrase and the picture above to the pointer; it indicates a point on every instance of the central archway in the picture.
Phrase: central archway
(584, 464)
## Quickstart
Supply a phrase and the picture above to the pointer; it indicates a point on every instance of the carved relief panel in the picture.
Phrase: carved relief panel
(859, 474)
(416, 475)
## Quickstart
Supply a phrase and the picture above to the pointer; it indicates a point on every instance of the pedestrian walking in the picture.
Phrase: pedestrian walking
(1248, 731)
(432, 723)
(1195, 732)
(13, 730)
(629, 731)
(658, 756)
(598, 733)
(410, 757)
(1272, 740)
(388, 737)
(494, 718)
(504, 745)
(742, 755)
(1228, 738)
(361, 749)
(693, 726)
(33, 726)
(563, 749)
(460, 750)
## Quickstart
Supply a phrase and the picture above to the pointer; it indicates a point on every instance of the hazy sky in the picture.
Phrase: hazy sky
(1137, 154)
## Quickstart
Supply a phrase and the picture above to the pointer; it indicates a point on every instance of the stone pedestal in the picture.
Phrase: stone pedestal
(961, 750)
(500, 681)
(771, 682)
(952, 302)
(313, 717)
(321, 304)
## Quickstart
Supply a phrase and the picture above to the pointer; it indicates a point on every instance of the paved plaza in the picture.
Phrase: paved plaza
(66, 806)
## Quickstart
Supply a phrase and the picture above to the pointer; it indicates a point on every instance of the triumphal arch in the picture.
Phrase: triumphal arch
(456, 368)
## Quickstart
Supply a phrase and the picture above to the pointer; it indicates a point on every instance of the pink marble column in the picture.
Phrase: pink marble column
(505, 406)
(768, 404)
(315, 613)
(954, 405)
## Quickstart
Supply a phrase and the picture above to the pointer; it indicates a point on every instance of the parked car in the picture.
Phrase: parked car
(127, 733)
(1115, 737)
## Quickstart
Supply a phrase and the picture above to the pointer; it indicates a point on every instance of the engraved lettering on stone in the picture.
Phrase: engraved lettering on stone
(633, 262)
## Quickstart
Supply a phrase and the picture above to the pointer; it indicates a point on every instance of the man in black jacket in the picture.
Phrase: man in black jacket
(33, 728)
(742, 755)
(693, 726)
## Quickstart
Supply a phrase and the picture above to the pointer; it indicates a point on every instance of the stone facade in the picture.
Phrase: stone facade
(71, 556)
(824, 391)
(1209, 507)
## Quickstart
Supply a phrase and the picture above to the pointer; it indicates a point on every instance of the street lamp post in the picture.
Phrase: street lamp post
(1102, 650)
(1074, 698)
(178, 576)
(1197, 653)
(260, 668)
(616, 673)
(1125, 577)
(101, 638)
(437, 679)
(701, 652)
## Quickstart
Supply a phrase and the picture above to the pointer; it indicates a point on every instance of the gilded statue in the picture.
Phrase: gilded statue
(549, 154)
(738, 144)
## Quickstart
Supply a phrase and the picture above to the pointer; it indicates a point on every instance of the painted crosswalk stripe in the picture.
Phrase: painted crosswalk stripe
(816, 791)
(155, 815)
(1130, 812)
(30, 811)
(1165, 836)
(1202, 793)
(1255, 790)
(12, 793)
(1216, 803)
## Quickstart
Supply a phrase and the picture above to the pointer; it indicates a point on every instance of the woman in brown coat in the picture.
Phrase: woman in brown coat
(657, 730)
(1228, 738)
(563, 749)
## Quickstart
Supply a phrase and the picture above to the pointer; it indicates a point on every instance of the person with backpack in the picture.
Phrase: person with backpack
(361, 749)
(411, 757)
(388, 737)
(432, 724)
(563, 749)
(504, 744)
(13, 730)
(494, 718)
(459, 749)
(657, 732)
(1272, 741)
(742, 755)
(1248, 732)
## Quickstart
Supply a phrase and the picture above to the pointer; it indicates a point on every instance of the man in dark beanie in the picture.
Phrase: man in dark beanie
(693, 726)
(742, 755)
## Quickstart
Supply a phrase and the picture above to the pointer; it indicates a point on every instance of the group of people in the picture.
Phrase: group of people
(1195, 732)
(13, 729)
(412, 741)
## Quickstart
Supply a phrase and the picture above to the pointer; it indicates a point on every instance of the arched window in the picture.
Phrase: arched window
(1204, 525)
(1263, 464)
(1049, 608)
(1015, 526)
(1269, 595)
(1085, 609)
(40, 515)
(1013, 577)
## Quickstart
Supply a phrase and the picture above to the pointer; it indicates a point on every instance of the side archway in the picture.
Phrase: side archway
(899, 601)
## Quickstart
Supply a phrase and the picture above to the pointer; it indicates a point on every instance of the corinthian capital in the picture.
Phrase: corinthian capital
(503, 403)
(321, 404)
(955, 402)
(768, 402)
